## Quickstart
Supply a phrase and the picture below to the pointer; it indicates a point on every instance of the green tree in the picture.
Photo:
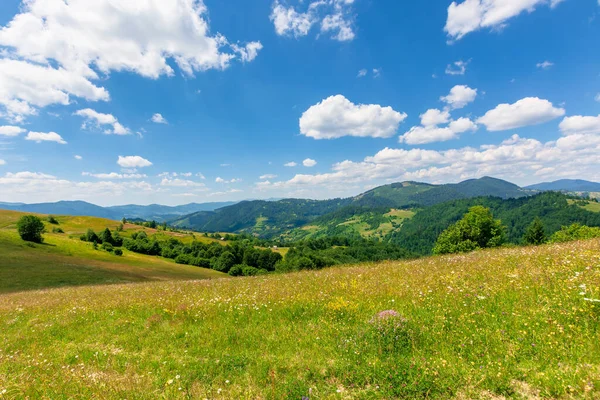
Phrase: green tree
(535, 233)
(225, 262)
(124, 221)
(106, 236)
(52, 220)
(575, 232)
(31, 228)
(476, 230)
(91, 236)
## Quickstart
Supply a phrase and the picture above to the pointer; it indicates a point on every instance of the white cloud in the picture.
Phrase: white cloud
(228, 192)
(309, 162)
(290, 164)
(334, 16)
(158, 119)
(525, 112)
(221, 180)
(545, 65)
(180, 183)
(2, 162)
(40, 137)
(133, 162)
(78, 157)
(248, 52)
(459, 96)
(11, 130)
(336, 117)
(434, 117)
(267, 177)
(361, 73)
(472, 15)
(114, 175)
(99, 119)
(376, 72)
(200, 175)
(186, 174)
(56, 48)
(457, 68)
(434, 133)
(579, 124)
(597, 98)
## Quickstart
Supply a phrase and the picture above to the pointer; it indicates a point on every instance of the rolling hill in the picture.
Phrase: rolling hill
(64, 260)
(81, 208)
(496, 324)
(567, 185)
(271, 219)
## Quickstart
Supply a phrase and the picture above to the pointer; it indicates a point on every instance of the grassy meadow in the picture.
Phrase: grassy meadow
(508, 323)
(64, 260)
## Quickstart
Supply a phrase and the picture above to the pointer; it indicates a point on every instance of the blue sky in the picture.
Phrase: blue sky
(336, 86)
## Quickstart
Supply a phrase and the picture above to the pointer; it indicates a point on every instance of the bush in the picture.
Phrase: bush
(118, 252)
(250, 271)
(575, 232)
(31, 228)
(236, 270)
(183, 259)
(107, 246)
(535, 233)
(477, 230)
(57, 230)
(52, 220)
(91, 237)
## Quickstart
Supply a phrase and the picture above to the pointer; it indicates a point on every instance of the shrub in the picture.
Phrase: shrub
(52, 220)
(183, 259)
(225, 262)
(575, 232)
(31, 228)
(250, 271)
(236, 270)
(477, 230)
(91, 237)
(118, 252)
(57, 230)
(107, 246)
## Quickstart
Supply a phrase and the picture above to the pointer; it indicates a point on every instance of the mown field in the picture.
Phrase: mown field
(509, 323)
(64, 260)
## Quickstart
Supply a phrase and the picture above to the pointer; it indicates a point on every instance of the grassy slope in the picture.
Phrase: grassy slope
(508, 322)
(65, 261)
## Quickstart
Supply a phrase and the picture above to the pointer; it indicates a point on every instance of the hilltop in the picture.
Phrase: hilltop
(64, 260)
(490, 324)
(567, 185)
(270, 219)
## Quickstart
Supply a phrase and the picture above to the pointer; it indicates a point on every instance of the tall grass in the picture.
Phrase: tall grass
(491, 324)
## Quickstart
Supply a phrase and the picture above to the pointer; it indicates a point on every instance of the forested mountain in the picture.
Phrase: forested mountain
(568, 185)
(82, 208)
(270, 219)
(419, 233)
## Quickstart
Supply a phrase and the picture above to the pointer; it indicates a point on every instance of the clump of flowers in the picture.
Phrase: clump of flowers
(392, 332)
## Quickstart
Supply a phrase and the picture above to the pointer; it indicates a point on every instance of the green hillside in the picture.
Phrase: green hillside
(270, 219)
(64, 260)
(510, 323)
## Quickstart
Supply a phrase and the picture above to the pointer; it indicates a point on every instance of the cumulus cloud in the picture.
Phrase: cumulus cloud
(98, 120)
(434, 117)
(290, 164)
(459, 96)
(336, 117)
(77, 157)
(457, 68)
(309, 162)
(11, 130)
(56, 49)
(114, 175)
(525, 112)
(133, 162)
(472, 15)
(434, 133)
(221, 180)
(2, 162)
(176, 182)
(40, 137)
(597, 98)
(158, 119)
(579, 124)
(334, 16)
(545, 65)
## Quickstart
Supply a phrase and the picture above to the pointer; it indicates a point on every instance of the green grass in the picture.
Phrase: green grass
(65, 261)
(590, 206)
(507, 323)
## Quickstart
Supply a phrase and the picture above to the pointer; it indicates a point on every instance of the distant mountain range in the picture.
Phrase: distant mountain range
(81, 208)
(567, 185)
(269, 219)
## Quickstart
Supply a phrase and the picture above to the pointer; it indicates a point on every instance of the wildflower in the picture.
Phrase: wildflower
(170, 382)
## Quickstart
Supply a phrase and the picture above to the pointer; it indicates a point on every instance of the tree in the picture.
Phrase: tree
(476, 230)
(52, 220)
(535, 233)
(225, 262)
(124, 221)
(106, 236)
(91, 237)
(31, 228)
